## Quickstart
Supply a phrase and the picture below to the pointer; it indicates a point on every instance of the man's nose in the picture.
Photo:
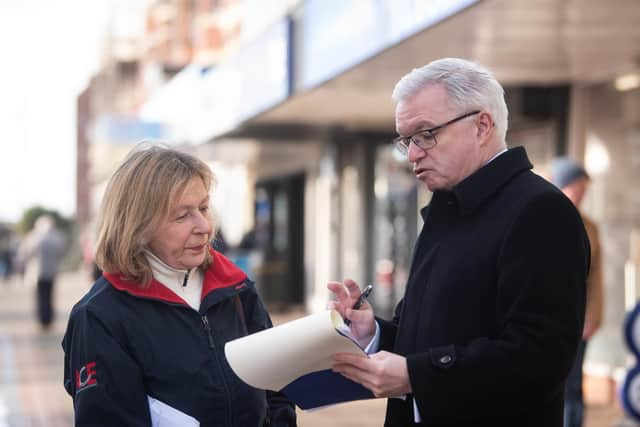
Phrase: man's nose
(415, 153)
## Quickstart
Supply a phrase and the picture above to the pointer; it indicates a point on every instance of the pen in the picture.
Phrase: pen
(363, 296)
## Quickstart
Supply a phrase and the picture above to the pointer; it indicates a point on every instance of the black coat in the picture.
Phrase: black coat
(494, 306)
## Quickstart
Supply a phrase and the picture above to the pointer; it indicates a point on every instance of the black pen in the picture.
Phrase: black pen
(363, 296)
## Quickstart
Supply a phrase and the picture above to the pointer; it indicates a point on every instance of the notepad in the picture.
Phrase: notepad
(295, 358)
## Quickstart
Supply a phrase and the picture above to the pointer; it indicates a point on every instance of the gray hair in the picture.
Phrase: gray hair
(469, 86)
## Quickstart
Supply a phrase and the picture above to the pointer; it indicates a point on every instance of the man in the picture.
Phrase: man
(573, 180)
(493, 309)
(42, 252)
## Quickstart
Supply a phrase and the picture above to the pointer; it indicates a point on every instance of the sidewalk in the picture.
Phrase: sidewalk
(31, 391)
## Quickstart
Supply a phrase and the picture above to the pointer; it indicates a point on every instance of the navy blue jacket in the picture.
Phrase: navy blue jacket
(125, 343)
(494, 305)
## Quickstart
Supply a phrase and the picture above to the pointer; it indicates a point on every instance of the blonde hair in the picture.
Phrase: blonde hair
(137, 199)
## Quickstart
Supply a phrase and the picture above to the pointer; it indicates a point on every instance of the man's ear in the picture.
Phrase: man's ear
(485, 127)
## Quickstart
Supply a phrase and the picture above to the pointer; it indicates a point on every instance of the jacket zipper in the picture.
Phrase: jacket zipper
(207, 328)
(212, 346)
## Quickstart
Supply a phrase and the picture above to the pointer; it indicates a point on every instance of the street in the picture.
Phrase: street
(31, 361)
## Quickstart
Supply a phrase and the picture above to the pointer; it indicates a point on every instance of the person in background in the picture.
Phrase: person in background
(5, 252)
(41, 253)
(574, 181)
(145, 346)
(493, 310)
(87, 244)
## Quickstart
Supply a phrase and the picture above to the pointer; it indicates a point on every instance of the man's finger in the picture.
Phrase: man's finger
(358, 375)
(339, 290)
(351, 359)
(353, 288)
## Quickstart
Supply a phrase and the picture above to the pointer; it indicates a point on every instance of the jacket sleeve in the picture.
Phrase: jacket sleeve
(281, 411)
(389, 328)
(106, 384)
(541, 274)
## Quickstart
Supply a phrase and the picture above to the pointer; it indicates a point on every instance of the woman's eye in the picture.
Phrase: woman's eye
(182, 216)
(204, 209)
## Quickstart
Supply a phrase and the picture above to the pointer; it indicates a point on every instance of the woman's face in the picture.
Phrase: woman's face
(182, 239)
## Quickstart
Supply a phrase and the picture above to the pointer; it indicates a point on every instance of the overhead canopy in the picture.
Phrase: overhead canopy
(524, 42)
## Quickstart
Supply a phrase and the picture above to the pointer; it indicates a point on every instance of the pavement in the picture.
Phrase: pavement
(31, 361)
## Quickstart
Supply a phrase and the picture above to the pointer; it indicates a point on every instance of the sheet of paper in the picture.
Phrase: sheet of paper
(163, 415)
(275, 357)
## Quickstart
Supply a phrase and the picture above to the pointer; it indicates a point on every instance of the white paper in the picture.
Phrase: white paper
(272, 358)
(163, 415)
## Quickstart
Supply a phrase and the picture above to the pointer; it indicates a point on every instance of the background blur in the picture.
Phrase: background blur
(289, 102)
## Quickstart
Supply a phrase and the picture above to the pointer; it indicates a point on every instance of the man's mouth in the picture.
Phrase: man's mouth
(419, 171)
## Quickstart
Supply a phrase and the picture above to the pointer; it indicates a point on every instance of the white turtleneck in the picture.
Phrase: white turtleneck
(175, 279)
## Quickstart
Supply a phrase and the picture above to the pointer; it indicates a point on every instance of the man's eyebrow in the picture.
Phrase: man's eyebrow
(420, 126)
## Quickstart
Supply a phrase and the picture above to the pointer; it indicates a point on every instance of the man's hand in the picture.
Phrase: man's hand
(363, 324)
(384, 373)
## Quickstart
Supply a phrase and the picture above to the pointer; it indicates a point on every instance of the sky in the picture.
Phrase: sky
(48, 51)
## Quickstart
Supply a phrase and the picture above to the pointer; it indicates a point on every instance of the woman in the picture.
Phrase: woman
(146, 344)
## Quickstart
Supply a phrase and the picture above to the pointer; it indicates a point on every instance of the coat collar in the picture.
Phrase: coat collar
(483, 183)
(479, 186)
(221, 274)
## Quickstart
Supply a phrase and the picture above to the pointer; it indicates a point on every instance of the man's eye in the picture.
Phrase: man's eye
(423, 138)
(204, 209)
(426, 136)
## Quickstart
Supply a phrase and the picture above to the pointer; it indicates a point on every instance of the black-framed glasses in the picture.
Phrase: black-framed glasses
(425, 138)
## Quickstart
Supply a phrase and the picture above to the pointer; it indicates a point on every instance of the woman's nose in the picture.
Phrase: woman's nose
(203, 224)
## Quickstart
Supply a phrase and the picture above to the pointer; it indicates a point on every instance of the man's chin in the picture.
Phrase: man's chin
(431, 185)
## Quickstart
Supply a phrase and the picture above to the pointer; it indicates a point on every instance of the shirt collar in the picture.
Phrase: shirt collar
(163, 272)
(187, 284)
(496, 156)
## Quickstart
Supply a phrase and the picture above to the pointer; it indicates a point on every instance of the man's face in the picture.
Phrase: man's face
(457, 152)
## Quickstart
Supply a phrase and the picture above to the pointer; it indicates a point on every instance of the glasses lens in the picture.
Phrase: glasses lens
(424, 140)
(402, 145)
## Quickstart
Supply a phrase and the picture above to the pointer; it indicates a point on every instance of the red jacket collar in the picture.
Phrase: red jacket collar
(222, 273)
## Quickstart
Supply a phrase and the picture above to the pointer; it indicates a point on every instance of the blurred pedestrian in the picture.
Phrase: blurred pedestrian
(492, 314)
(88, 252)
(41, 253)
(574, 181)
(145, 345)
(5, 252)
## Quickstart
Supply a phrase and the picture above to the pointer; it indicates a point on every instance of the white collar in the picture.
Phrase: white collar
(187, 284)
(497, 155)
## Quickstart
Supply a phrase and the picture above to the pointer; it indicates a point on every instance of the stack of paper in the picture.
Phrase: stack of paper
(295, 358)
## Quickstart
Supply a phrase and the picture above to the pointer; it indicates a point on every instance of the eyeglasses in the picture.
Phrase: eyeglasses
(425, 138)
